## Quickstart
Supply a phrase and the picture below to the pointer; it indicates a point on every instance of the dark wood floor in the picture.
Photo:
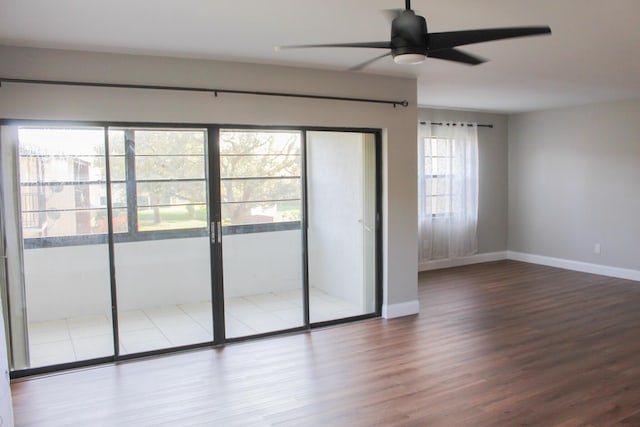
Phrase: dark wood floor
(497, 344)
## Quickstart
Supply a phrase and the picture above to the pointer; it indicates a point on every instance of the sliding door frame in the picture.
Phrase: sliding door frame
(212, 165)
(215, 233)
(378, 291)
(111, 246)
(305, 233)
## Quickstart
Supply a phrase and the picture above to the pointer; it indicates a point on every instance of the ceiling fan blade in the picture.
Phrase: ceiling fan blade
(456, 56)
(448, 40)
(366, 63)
(374, 45)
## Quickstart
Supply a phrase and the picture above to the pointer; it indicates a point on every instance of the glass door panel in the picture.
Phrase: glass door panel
(64, 250)
(341, 200)
(162, 245)
(261, 193)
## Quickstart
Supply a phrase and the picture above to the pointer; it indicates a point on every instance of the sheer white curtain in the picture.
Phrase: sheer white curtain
(447, 190)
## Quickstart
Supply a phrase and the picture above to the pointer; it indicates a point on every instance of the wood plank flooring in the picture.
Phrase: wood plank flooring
(496, 344)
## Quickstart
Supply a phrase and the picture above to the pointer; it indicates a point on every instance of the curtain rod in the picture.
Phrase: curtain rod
(200, 89)
(442, 124)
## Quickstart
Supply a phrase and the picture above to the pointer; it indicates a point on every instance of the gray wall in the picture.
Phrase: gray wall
(86, 103)
(574, 181)
(492, 159)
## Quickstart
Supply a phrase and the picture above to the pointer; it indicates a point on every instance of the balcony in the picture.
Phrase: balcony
(164, 298)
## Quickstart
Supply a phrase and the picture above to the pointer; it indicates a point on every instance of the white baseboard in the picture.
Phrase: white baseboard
(390, 311)
(457, 262)
(585, 267)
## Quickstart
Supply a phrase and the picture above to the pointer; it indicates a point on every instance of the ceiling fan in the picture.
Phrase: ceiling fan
(411, 43)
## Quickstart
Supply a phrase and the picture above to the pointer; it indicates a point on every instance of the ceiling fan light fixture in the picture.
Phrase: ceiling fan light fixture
(409, 58)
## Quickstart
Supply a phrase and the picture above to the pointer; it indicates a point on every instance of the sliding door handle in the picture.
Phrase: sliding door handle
(216, 232)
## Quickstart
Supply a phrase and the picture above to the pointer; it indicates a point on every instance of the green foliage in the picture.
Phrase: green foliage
(260, 174)
(272, 159)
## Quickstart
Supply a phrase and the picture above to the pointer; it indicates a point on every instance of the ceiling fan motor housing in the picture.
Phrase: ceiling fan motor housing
(409, 34)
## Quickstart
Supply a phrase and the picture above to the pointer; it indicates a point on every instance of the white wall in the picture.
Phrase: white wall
(73, 281)
(85, 103)
(157, 273)
(260, 263)
(573, 183)
(68, 281)
(6, 410)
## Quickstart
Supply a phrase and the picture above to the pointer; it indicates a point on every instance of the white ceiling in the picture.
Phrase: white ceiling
(591, 56)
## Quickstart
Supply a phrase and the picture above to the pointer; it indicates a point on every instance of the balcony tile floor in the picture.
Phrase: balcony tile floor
(73, 339)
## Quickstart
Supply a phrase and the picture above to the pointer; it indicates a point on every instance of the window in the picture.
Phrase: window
(260, 177)
(447, 190)
(61, 181)
(166, 178)
(439, 154)
(158, 183)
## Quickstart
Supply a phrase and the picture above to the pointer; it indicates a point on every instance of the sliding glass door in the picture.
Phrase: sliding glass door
(341, 200)
(261, 206)
(161, 251)
(65, 254)
(125, 240)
